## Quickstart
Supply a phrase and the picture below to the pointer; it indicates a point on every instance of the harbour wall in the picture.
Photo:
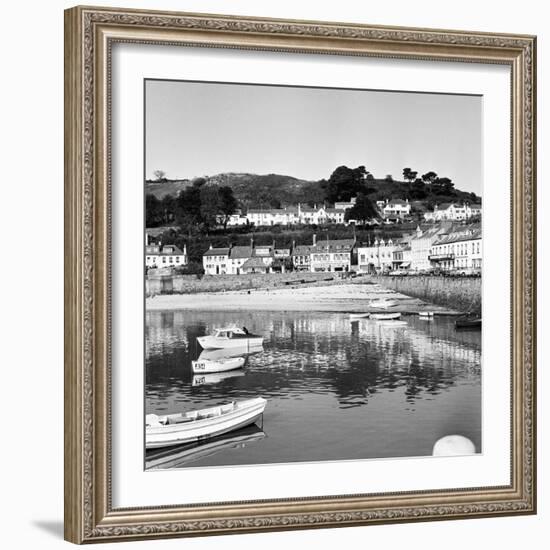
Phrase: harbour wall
(161, 281)
(458, 293)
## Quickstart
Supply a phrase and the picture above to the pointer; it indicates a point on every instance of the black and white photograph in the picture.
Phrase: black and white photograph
(313, 272)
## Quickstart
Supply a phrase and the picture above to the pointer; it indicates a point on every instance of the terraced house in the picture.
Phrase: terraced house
(331, 255)
(460, 249)
(168, 255)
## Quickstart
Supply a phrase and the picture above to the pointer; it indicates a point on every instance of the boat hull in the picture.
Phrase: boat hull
(244, 414)
(473, 324)
(385, 316)
(221, 365)
(212, 342)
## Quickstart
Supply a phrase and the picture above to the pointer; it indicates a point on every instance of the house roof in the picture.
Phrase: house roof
(399, 202)
(239, 252)
(217, 252)
(301, 250)
(253, 262)
(335, 245)
(167, 250)
(459, 236)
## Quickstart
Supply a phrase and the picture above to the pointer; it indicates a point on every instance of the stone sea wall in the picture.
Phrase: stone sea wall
(163, 282)
(459, 293)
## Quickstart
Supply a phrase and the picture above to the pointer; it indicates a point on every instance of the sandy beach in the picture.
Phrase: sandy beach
(338, 298)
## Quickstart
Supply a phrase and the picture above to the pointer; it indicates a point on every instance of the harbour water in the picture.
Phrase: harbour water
(336, 388)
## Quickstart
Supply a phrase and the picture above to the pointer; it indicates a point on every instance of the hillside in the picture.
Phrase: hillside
(276, 190)
(251, 190)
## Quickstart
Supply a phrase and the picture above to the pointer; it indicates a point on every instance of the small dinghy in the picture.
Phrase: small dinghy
(426, 314)
(176, 429)
(383, 303)
(472, 323)
(385, 316)
(217, 365)
(230, 337)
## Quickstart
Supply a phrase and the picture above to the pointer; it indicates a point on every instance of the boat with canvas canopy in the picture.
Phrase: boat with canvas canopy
(230, 337)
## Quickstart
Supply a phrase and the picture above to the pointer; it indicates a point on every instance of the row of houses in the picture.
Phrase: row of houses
(291, 215)
(330, 255)
(446, 245)
(453, 211)
(391, 211)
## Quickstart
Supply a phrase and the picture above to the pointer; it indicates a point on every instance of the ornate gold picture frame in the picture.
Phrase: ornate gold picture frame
(90, 34)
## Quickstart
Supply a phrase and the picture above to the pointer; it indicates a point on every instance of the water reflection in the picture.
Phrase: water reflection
(336, 388)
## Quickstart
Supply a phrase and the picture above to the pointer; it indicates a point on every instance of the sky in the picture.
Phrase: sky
(200, 129)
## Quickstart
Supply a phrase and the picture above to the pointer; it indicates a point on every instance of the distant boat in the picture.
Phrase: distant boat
(385, 316)
(383, 303)
(175, 457)
(215, 377)
(426, 314)
(217, 365)
(176, 429)
(354, 316)
(230, 337)
(473, 323)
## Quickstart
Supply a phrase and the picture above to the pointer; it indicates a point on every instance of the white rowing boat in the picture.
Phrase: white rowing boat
(385, 316)
(222, 364)
(383, 303)
(176, 429)
(425, 313)
(230, 337)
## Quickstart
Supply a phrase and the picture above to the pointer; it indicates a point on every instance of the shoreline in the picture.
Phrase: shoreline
(343, 298)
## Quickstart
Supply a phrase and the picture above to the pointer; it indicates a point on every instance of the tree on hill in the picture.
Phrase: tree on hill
(444, 186)
(418, 190)
(363, 211)
(160, 175)
(429, 177)
(227, 203)
(409, 175)
(344, 183)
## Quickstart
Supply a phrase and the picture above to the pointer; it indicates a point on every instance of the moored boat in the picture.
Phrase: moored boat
(385, 316)
(230, 337)
(425, 313)
(176, 429)
(473, 323)
(222, 364)
(383, 303)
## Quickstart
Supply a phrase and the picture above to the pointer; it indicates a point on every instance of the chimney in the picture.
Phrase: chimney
(185, 249)
(314, 239)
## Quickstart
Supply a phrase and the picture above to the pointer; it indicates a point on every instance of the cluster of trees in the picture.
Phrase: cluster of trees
(428, 183)
(197, 207)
